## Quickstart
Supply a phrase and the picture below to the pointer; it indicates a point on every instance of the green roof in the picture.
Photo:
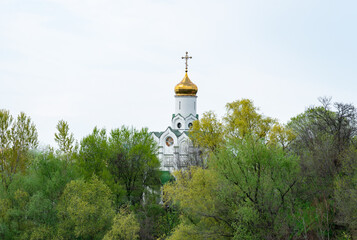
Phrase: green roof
(175, 131)
(158, 134)
(165, 176)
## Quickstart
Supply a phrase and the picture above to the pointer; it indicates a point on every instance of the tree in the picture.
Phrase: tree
(125, 226)
(29, 203)
(280, 135)
(94, 154)
(254, 173)
(323, 134)
(264, 178)
(133, 161)
(324, 138)
(64, 139)
(85, 210)
(197, 193)
(345, 192)
(17, 138)
(207, 132)
(242, 118)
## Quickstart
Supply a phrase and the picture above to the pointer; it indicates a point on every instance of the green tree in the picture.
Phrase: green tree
(133, 161)
(29, 203)
(241, 118)
(264, 178)
(324, 138)
(197, 194)
(94, 154)
(323, 134)
(256, 176)
(17, 138)
(65, 140)
(125, 226)
(345, 192)
(85, 210)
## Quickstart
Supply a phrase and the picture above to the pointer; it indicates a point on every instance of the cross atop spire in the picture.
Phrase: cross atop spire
(186, 58)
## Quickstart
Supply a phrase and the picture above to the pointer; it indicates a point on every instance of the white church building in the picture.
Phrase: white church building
(175, 147)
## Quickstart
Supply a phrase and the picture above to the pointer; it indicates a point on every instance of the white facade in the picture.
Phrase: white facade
(175, 147)
(175, 154)
(185, 112)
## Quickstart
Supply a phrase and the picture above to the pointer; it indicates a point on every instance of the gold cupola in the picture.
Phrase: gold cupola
(186, 87)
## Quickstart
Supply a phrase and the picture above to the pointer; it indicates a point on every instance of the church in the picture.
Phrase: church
(175, 147)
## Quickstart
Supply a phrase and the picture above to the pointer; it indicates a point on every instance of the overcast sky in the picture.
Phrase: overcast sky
(109, 63)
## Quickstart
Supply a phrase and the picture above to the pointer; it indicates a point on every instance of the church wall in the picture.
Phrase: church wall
(185, 105)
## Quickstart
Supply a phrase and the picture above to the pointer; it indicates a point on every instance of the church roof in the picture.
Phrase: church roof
(174, 131)
(157, 134)
(175, 115)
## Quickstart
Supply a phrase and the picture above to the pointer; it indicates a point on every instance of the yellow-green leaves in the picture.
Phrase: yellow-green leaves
(85, 210)
(16, 139)
(242, 118)
(207, 132)
(125, 226)
(195, 191)
(280, 135)
(64, 139)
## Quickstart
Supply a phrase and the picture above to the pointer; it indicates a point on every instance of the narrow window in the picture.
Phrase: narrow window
(194, 105)
(179, 105)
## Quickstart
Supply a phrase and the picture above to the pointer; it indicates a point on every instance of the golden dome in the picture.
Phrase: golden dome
(186, 87)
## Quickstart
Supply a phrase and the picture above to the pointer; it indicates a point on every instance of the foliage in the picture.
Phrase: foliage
(242, 118)
(345, 194)
(85, 210)
(321, 128)
(324, 138)
(125, 226)
(93, 155)
(166, 221)
(29, 203)
(16, 139)
(257, 176)
(65, 140)
(281, 135)
(195, 192)
(207, 132)
(260, 180)
(263, 178)
(187, 231)
(133, 161)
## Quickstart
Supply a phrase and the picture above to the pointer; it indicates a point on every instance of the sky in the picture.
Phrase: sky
(109, 63)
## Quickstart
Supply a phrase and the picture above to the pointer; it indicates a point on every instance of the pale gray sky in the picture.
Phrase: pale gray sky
(109, 63)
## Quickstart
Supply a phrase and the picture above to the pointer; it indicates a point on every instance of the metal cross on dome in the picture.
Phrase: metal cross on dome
(186, 58)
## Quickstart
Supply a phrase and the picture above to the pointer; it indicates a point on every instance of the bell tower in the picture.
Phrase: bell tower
(185, 102)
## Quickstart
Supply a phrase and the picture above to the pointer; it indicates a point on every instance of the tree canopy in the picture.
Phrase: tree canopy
(256, 179)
